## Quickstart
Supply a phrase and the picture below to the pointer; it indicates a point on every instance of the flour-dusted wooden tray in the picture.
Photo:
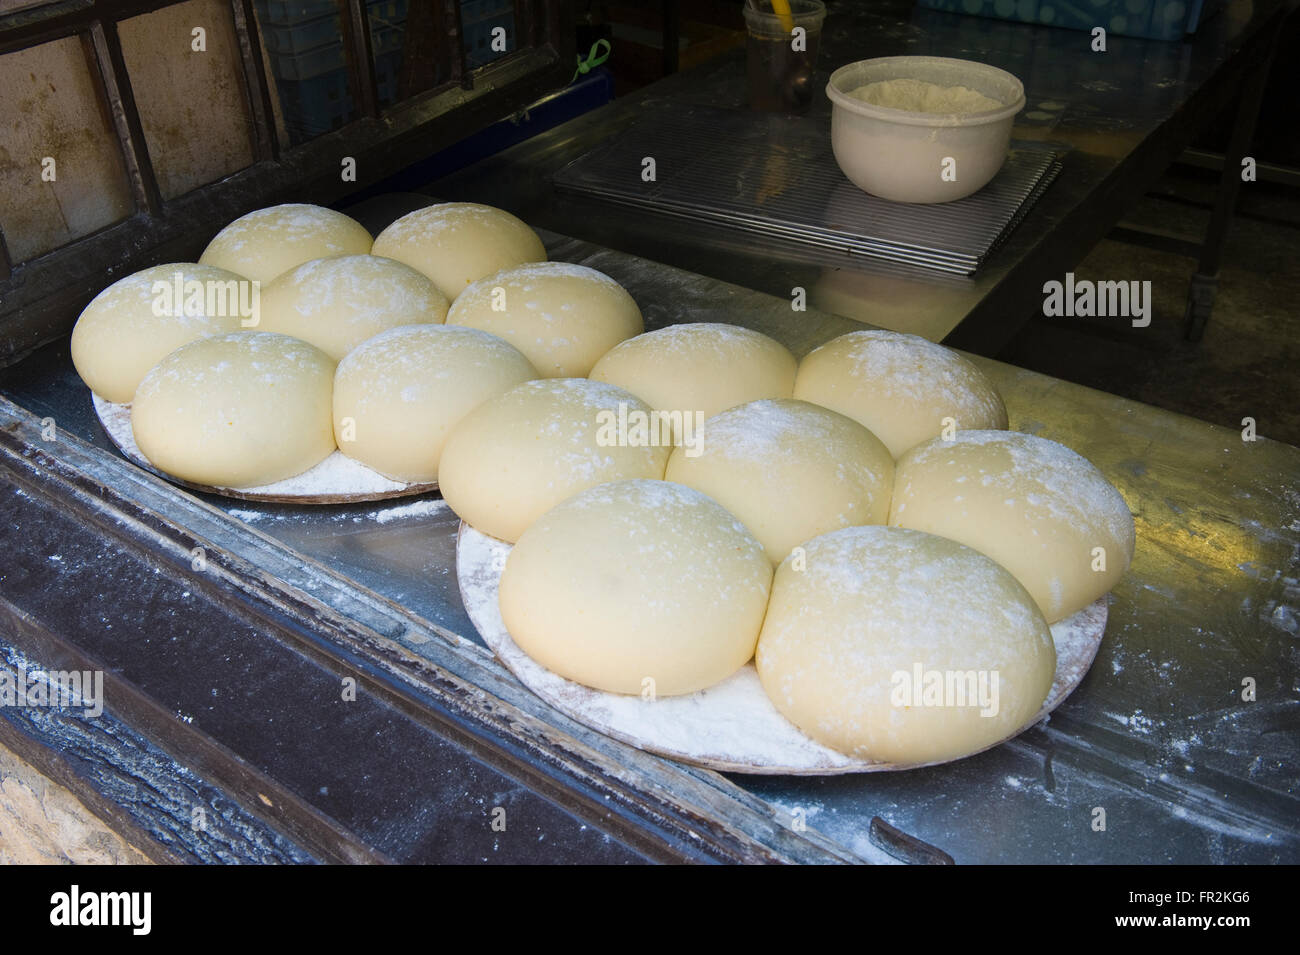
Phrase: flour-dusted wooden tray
(336, 480)
(732, 726)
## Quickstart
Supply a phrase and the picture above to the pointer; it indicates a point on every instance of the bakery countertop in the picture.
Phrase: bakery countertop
(1125, 115)
(1158, 734)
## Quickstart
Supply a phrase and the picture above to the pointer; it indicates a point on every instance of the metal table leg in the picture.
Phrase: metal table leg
(672, 14)
(1200, 296)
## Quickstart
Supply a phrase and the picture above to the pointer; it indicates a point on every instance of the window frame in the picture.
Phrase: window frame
(41, 297)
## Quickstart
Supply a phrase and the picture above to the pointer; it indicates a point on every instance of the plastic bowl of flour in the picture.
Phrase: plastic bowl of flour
(922, 128)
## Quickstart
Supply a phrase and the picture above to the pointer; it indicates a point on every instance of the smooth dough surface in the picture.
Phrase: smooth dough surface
(789, 470)
(398, 395)
(238, 410)
(268, 242)
(703, 367)
(900, 387)
(337, 303)
(634, 581)
(852, 642)
(119, 335)
(517, 455)
(457, 243)
(561, 316)
(1036, 507)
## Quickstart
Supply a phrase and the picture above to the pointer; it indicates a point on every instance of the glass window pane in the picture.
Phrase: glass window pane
(488, 26)
(191, 102)
(61, 170)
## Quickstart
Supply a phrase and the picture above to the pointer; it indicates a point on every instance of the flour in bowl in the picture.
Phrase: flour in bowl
(920, 96)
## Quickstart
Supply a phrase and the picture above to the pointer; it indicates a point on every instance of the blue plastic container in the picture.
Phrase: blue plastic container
(302, 36)
(290, 12)
(315, 106)
(305, 64)
(1153, 19)
(387, 66)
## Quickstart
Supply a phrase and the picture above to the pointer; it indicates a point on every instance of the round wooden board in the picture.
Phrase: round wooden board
(336, 480)
(732, 726)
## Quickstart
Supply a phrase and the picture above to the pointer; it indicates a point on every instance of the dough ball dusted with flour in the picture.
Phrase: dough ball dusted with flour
(269, 242)
(1036, 507)
(897, 646)
(135, 322)
(637, 586)
(238, 410)
(789, 470)
(699, 369)
(900, 387)
(457, 243)
(516, 456)
(562, 316)
(337, 303)
(398, 395)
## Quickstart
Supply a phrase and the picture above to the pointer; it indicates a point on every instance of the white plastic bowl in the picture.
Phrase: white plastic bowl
(898, 154)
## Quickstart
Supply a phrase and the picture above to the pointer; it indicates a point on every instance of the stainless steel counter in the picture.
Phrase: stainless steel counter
(1124, 115)
(1157, 736)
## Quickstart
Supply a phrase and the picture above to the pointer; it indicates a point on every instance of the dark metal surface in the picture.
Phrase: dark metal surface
(1127, 114)
(154, 802)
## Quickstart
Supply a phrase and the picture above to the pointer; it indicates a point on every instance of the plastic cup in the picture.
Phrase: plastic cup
(780, 63)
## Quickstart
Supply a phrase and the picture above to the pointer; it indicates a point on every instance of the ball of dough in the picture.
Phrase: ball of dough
(902, 647)
(337, 303)
(789, 470)
(562, 316)
(635, 581)
(696, 370)
(516, 456)
(458, 243)
(1033, 505)
(398, 395)
(238, 410)
(901, 387)
(135, 322)
(264, 244)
